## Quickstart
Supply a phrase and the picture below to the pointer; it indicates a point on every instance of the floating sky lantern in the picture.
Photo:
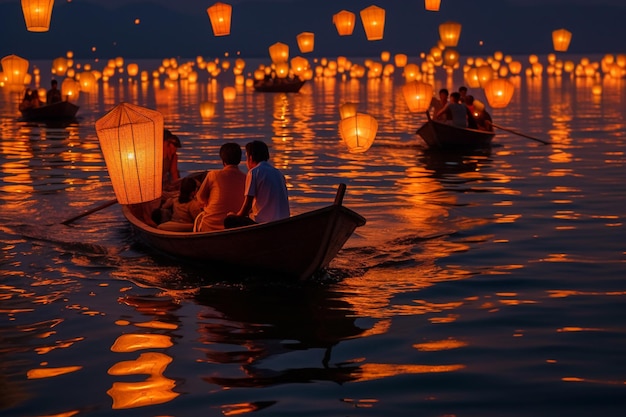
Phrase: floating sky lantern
(281, 69)
(87, 82)
(37, 14)
(358, 132)
(449, 33)
(347, 110)
(373, 19)
(131, 139)
(561, 39)
(132, 69)
(306, 42)
(499, 92)
(418, 95)
(432, 5)
(70, 89)
(220, 16)
(15, 69)
(229, 93)
(450, 57)
(299, 65)
(344, 22)
(207, 109)
(400, 60)
(279, 52)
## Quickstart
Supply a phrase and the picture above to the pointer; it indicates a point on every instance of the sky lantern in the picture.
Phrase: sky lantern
(561, 39)
(385, 56)
(499, 92)
(344, 22)
(418, 95)
(281, 69)
(400, 60)
(207, 109)
(37, 14)
(373, 19)
(220, 16)
(306, 42)
(471, 78)
(347, 110)
(358, 132)
(15, 69)
(515, 67)
(299, 65)
(229, 93)
(484, 73)
(131, 139)
(432, 5)
(450, 57)
(87, 82)
(132, 69)
(449, 33)
(279, 52)
(70, 89)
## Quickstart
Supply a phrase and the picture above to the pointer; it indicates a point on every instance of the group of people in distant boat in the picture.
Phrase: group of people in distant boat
(31, 97)
(460, 109)
(223, 198)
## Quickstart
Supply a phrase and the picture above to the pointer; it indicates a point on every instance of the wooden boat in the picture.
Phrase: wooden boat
(278, 85)
(444, 136)
(296, 247)
(62, 110)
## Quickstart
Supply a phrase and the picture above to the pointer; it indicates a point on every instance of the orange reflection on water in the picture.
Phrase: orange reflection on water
(133, 342)
(439, 345)
(244, 408)
(40, 373)
(373, 371)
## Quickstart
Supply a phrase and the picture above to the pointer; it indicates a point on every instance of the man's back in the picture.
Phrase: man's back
(222, 191)
(268, 187)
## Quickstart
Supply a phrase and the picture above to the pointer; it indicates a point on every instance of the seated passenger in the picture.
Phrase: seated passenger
(185, 207)
(54, 94)
(30, 100)
(456, 113)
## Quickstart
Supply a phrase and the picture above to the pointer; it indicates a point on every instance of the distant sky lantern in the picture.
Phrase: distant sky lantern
(207, 109)
(484, 73)
(132, 69)
(373, 19)
(15, 69)
(229, 93)
(400, 60)
(70, 89)
(87, 82)
(344, 22)
(385, 56)
(449, 33)
(119, 62)
(432, 5)
(347, 110)
(306, 42)
(499, 92)
(299, 65)
(515, 67)
(471, 78)
(417, 95)
(450, 57)
(131, 139)
(220, 16)
(279, 52)
(137, 21)
(561, 39)
(37, 14)
(281, 69)
(358, 132)
(258, 74)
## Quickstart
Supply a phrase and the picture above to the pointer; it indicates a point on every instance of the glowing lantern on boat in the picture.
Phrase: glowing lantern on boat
(499, 92)
(306, 42)
(347, 110)
(373, 18)
(229, 93)
(37, 14)
(344, 22)
(358, 132)
(418, 95)
(15, 69)
(281, 69)
(70, 89)
(561, 39)
(449, 32)
(258, 74)
(220, 16)
(207, 109)
(400, 60)
(432, 5)
(131, 139)
(279, 52)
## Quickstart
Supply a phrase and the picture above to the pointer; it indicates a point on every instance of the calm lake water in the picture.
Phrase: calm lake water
(484, 284)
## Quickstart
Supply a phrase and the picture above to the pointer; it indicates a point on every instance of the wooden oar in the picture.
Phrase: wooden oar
(88, 212)
(520, 134)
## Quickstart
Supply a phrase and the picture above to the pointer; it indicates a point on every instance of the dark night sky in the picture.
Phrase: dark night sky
(181, 28)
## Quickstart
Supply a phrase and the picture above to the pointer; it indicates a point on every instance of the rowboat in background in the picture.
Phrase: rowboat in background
(278, 85)
(60, 111)
(444, 136)
(296, 247)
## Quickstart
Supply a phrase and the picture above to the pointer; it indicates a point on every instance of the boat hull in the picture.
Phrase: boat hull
(296, 247)
(279, 86)
(444, 136)
(63, 110)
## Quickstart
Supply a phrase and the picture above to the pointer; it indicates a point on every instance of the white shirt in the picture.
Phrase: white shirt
(269, 188)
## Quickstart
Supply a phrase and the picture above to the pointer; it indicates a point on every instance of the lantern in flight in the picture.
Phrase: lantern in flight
(373, 18)
(306, 41)
(220, 16)
(499, 92)
(344, 22)
(418, 95)
(561, 39)
(37, 14)
(131, 139)
(207, 109)
(358, 132)
(400, 60)
(15, 69)
(279, 52)
(449, 32)
(432, 5)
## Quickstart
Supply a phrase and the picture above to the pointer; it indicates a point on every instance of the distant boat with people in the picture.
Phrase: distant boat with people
(278, 85)
(59, 111)
(445, 136)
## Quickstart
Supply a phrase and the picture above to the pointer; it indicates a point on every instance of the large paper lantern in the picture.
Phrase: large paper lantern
(418, 95)
(499, 92)
(15, 69)
(561, 39)
(131, 139)
(449, 32)
(220, 16)
(306, 42)
(373, 18)
(37, 14)
(432, 5)
(344, 22)
(279, 52)
(358, 132)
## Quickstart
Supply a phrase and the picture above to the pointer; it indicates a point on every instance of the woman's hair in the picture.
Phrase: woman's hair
(187, 187)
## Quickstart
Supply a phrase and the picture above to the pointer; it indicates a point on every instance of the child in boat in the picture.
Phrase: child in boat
(30, 100)
(184, 207)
